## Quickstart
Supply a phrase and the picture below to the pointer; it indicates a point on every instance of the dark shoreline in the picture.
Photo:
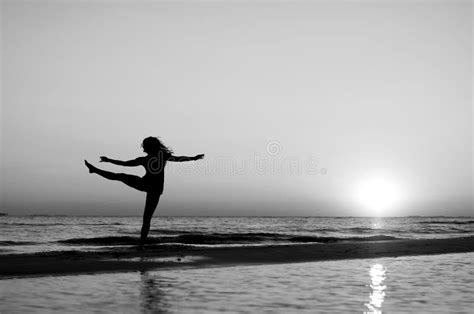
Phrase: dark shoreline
(155, 257)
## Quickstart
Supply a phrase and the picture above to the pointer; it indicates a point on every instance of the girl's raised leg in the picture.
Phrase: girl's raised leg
(130, 180)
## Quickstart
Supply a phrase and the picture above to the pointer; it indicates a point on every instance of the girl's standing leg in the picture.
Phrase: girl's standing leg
(152, 200)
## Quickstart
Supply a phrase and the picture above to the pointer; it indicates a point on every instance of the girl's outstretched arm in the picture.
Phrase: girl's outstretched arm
(128, 163)
(185, 158)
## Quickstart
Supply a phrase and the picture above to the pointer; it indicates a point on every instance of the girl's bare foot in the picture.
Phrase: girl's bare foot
(89, 166)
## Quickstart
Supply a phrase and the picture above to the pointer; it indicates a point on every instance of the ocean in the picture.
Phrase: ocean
(30, 234)
(422, 284)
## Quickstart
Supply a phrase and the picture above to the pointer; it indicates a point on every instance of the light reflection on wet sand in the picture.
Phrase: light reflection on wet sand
(333, 286)
(377, 288)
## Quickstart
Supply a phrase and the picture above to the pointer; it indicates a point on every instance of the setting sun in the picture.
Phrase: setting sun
(378, 196)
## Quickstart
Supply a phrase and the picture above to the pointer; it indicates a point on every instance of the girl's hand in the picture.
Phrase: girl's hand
(197, 157)
(104, 159)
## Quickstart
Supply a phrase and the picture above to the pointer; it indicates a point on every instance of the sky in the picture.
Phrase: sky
(322, 108)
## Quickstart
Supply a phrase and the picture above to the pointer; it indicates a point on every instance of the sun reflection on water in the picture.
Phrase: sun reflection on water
(377, 224)
(377, 288)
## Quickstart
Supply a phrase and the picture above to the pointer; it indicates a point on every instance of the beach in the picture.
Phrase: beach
(124, 259)
(236, 264)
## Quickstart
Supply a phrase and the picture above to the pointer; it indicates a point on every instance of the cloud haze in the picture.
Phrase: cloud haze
(295, 104)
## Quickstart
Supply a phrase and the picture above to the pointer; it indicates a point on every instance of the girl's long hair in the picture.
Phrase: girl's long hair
(153, 145)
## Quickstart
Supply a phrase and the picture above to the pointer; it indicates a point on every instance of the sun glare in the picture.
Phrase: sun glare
(378, 196)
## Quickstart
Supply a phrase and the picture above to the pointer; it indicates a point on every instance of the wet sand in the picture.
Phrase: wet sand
(156, 257)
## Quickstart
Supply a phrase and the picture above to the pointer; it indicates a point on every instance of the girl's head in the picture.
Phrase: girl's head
(152, 146)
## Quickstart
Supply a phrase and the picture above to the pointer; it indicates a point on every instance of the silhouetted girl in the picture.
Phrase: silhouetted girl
(154, 162)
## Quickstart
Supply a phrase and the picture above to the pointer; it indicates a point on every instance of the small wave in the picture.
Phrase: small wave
(336, 239)
(221, 239)
(447, 222)
(440, 230)
(171, 231)
(361, 230)
(13, 243)
(59, 224)
(101, 241)
(229, 238)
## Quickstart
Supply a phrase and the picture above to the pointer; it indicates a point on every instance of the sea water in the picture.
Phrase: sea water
(29, 234)
(438, 283)
(420, 284)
